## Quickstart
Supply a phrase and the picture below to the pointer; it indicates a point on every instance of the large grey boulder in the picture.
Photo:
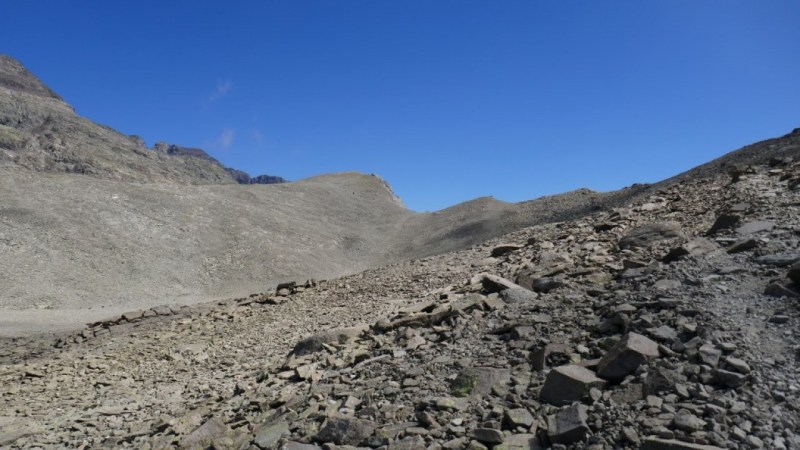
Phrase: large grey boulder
(567, 384)
(568, 425)
(625, 357)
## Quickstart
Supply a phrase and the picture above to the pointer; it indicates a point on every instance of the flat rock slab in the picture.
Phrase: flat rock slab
(782, 260)
(503, 249)
(650, 234)
(673, 444)
(567, 384)
(625, 357)
(755, 227)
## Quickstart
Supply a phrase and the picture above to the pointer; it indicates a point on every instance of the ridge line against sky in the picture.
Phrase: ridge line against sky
(446, 100)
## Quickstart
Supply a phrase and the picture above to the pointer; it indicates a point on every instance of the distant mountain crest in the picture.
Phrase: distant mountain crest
(40, 132)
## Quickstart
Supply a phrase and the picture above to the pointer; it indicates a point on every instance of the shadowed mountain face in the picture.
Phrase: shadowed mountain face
(93, 223)
(40, 132)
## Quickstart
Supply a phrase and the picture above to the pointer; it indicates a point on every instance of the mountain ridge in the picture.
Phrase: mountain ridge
(40, 131)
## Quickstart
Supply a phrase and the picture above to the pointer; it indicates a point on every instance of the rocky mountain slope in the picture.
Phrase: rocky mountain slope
(669, 321)
(93, 224)
(40, 132)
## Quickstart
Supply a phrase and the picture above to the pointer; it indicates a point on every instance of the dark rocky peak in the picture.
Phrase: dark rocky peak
(242, 177)
(14, 76)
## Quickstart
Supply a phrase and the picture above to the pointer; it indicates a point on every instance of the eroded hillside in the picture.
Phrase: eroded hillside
(668, 322)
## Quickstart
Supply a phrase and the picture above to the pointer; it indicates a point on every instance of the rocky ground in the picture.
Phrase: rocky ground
(667, 323)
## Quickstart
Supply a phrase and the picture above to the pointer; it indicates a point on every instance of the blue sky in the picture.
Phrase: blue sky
(447, 100)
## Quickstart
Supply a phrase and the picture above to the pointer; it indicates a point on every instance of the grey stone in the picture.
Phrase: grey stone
(551, 355)
(695, 247)
(547, 284)
(794, 273)
(663, 333)
(163, 310)
(268, 436)
(133, 315)
(291, 445)
(9, 437)
(345, 431)
(203, 436)
(517, 295)
(738, 365)
(742, 245)
(408, 443)
(478, 381)
(628, 393)
(487, 435)
(708, 354)
(755, 227)
(649, 234)
(494, 283)
(503, 249)
(316, 342)
(568, 425)
(779, 290)
(520, 442)
(725, 222)
(653, 443)
(782, 260)
(729, 379)
(519, 417)
(625, 357)
(688, 422)
(567, 384)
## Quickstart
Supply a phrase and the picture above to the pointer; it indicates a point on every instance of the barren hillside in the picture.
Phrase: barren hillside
(92, 223)
(669, 322)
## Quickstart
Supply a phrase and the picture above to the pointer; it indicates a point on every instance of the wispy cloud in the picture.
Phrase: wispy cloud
(225, 139)
(257, 135)
(222, 89)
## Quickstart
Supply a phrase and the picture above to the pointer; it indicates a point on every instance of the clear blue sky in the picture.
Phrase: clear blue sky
(447, 100)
